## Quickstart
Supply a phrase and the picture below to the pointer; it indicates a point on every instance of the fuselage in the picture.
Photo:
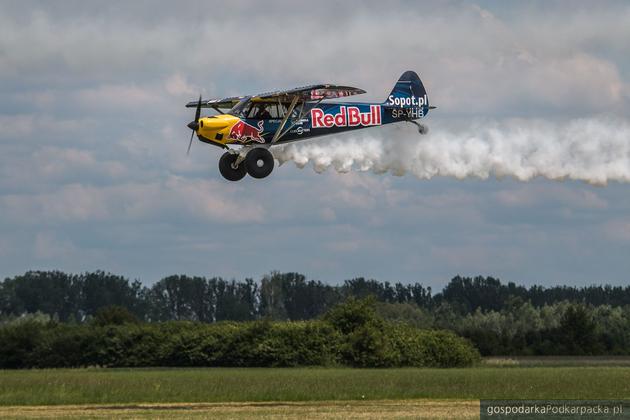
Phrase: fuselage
(308, 120)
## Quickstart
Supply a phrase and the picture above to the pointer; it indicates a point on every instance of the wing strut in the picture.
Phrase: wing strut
(299, 118)
(276, 136)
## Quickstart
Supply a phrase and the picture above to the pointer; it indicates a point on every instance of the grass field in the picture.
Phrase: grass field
(320, 409)
(318, 392)
(556, 361)
(124, 386)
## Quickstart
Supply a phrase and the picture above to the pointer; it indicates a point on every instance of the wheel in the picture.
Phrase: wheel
(226, 169)
(259, 162)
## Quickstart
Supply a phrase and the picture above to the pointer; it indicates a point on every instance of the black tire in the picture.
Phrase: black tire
(226, 169)
(259, 162)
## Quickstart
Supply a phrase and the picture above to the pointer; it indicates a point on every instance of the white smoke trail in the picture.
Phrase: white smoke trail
(593, 150)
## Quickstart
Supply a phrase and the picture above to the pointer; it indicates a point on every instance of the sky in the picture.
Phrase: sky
(523, 175)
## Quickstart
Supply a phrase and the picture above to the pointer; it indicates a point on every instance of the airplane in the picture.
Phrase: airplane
(258, 122)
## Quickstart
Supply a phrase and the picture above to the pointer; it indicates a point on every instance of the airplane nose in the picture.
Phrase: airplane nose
(193, 125)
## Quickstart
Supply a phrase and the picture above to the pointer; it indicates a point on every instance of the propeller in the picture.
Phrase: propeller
(194, 125)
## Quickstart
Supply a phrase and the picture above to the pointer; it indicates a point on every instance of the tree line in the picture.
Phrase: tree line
(499, 319)
(349, 334)
(561, 328)
(277, 296)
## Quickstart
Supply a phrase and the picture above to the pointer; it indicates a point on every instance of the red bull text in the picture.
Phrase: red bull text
(347, 117)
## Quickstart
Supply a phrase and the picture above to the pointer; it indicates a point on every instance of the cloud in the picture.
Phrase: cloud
(529, 196)
(117, 96)
(481, 62)
(177, 85)
(618, 230)
(94, 174)
(48, 246)
(346, 246)
(5, 247)
(50, 166)
(57, 162)
(202, 200)
(23, 127)
(471, 257)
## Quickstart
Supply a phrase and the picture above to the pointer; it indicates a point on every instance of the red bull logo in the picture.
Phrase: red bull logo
(243, 132)
(346, 117)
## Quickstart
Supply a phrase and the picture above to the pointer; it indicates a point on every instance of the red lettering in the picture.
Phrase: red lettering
(316, 117)
(340, 119)
(353, 116)
(366, 119)
(350, 116)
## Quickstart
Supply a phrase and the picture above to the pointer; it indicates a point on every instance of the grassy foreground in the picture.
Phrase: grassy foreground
(435, 409)
(160, 386)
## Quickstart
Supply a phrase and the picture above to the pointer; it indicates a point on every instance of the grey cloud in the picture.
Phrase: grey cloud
(200, 199)
(459, 50)
(92, 139)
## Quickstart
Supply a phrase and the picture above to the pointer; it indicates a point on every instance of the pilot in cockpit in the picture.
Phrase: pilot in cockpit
(263, 113)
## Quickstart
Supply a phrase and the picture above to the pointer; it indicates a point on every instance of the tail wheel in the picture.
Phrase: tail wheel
(228, 171)
(259, 162)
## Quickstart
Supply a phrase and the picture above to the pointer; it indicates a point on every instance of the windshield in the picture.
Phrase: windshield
(237, 110)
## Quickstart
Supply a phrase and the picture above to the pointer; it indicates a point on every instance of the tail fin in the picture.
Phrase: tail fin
(408, 93)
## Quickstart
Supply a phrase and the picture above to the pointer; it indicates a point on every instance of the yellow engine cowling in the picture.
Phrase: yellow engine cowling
(217, 128)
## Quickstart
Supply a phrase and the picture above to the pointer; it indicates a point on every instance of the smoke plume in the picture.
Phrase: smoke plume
(593, 150)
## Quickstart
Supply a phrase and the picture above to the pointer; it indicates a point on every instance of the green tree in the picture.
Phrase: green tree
(114, 315)
(180, 297)
(577, 331)
(405, 313)
(51, 292)
(100, 289)
(272, 299)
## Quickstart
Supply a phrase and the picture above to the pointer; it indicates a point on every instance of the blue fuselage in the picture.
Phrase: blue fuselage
(319, 119)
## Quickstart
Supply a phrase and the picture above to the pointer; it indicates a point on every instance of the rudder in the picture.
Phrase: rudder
(408, 92)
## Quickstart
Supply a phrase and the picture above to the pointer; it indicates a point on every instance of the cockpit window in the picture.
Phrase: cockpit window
(238, 109)
(265, 111)
(260, 110)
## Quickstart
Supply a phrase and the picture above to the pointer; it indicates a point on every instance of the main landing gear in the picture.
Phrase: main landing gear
(229, 169)
(257, 162)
